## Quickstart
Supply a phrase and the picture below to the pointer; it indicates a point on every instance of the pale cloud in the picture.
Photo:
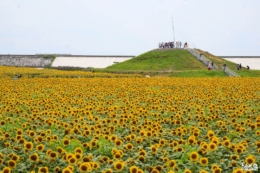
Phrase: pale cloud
(128, 27)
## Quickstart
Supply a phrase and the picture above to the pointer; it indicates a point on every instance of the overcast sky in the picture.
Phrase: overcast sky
(121, 27)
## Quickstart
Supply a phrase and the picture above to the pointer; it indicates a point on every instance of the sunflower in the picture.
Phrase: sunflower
(53, 155)
(204, 161)
(119, 166)
(154, 170)
(108, 171)
(203, 171)
(194, 156)
(129, 146)
(227, 143)
(118, 142)
(11, 163)
(7, 144)
(142, 153)
(142, 133)
(28, 145)
(172, 164)
(78, 150)
(133, 169)
(6, 170)
(214, 166)
(70, 167)
(187, 171)
(239, 150)
(139, 140)
(67, 170)
(66, 142)
(86, 159)
(142, 158)
(212, 146)
(78, 155)
(85, 167)
(43, 170)
(95, 165)
(171, 171)
(60, 150)
(15, 158)
(48, 131)
(117, 155)
(140, 171)
(234, 157)
(21, 141)
(179, 149)
(154, 148)
(113, 137)
(6, 135)
(217, 170)
(34, 157)
(57, 169)
(238, 170)
(250, 160)
(73, 160)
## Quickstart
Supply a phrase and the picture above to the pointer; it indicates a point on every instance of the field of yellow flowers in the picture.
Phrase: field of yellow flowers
(136, 125)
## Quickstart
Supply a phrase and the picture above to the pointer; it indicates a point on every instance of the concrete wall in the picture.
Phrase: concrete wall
(66, 60)
(25, 60)
(88, 61)
(253, 63)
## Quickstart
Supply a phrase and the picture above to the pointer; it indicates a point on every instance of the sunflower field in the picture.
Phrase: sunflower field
(128, 124)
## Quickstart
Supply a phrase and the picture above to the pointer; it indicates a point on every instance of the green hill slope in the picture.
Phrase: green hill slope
(233, 66)
(161, 60)
(218, 61)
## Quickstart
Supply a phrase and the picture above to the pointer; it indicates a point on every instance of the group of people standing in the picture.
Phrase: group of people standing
(178, 44)
(239, 67)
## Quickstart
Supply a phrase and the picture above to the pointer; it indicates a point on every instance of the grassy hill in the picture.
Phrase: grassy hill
(161, 60)
(175, 63)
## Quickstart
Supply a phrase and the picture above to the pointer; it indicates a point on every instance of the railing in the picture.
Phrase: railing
(202, 58)
(230, 72)
(206, 62)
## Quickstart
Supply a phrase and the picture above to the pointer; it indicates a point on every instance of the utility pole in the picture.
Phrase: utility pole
(173, 30)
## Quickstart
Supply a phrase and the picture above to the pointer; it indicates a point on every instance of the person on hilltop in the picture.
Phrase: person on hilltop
(171, 44)
(185, 45)
(180, 44)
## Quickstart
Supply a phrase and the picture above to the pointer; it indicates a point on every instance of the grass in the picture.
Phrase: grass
(199, 73)
(248, 73)
(161, 60)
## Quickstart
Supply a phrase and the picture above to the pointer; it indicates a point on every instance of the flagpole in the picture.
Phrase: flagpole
(173, 30)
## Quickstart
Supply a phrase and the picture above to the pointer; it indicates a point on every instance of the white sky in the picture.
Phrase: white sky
(120, 27)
